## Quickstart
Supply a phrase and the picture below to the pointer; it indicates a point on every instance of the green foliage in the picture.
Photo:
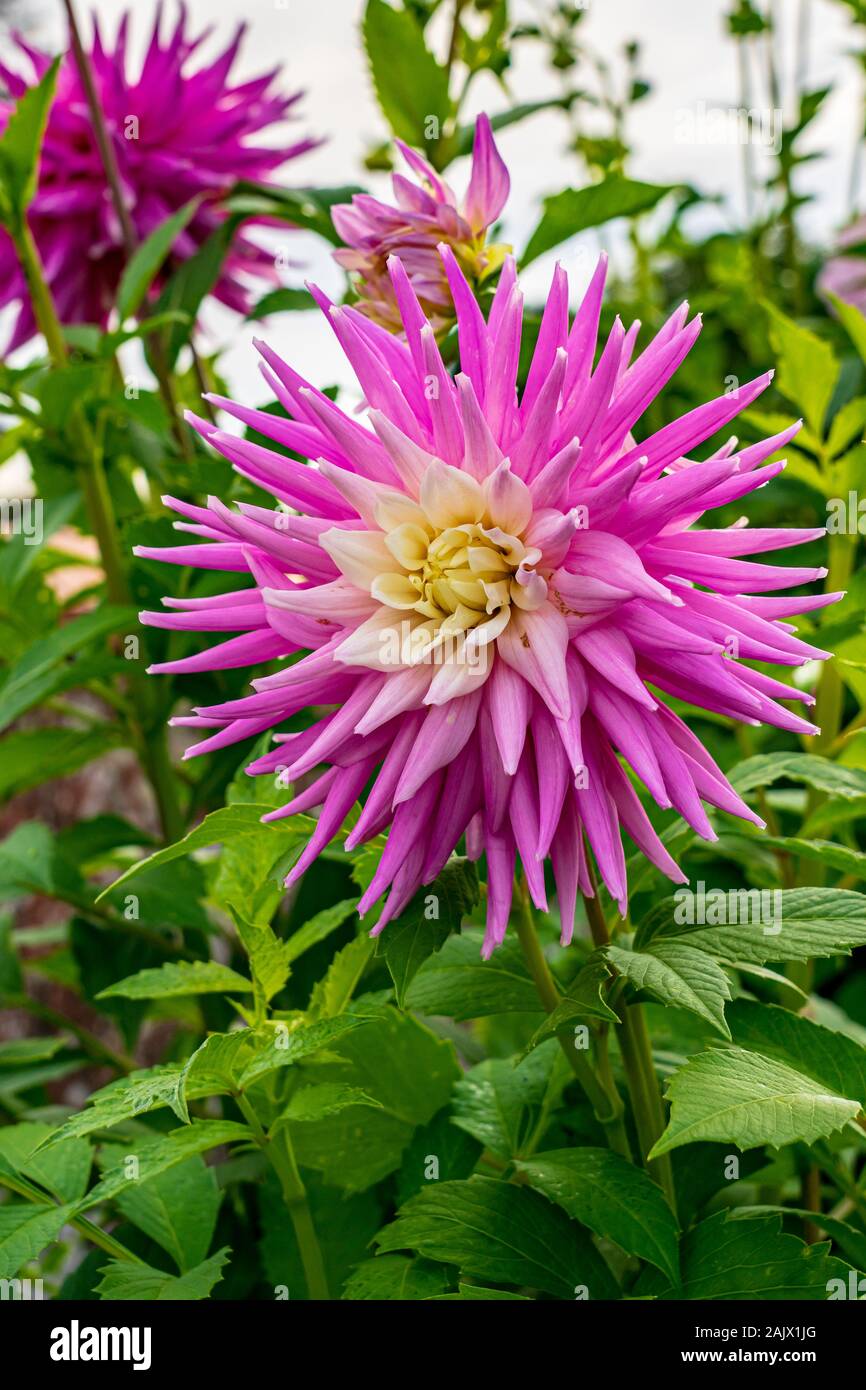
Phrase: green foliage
(398, 1119)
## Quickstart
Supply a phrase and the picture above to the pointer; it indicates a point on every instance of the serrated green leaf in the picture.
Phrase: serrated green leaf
(821, 773)
(283, 1046)
(674, 972)
(318, 1101)
(744, 1098)
(46, 668)
(178, 1208)
(457, 982)
(829, 1057)
(729, 1258)
(612, 1197)
(332, 993)
(790, 924)
(178, 978)
(395, 1277)
(155, 1156)
(124, 1281)
(62, 1170)
(25, 1230)
(501, 1232)
(499, 1103)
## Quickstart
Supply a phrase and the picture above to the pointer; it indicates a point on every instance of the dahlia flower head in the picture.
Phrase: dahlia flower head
(844, 275)
(178, 132)
(425, 216)
(495, 592)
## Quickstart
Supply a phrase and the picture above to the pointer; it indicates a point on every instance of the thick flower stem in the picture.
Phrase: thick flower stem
(637, 1060)
(605, 1100)
(279, 1152)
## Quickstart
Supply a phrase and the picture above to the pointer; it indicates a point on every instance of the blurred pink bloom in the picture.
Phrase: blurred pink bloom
(424, 217)
(495, 592)
(178, 132)
(844, 275)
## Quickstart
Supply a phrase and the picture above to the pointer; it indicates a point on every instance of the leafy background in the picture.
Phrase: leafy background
(198, 1071)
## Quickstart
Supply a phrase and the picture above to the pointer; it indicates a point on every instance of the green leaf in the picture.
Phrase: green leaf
(46, 667)
(318, 1101)
(286, 300)
(396, 1277)
(333, 992)
(501, 1232)
(499, 1103)
(177, 1208)
(268, 956)
(318, 928)
(848, 861)
(813, 922)
(830, 1058)
(309, 208)
(851, 1241)
(231, 823)
(582, 1000)
(676, 973)
(21, 1051)
(177, 978)
(410, 85)
(821, 773)
(457, 982)
(190, 283)
(63, 1170)
(31, 862)
(20, 145)
(155, 1156)
(574, 209)
(434, 913)
(744, 1098)
(473, 1293)
(726, 1257)
(25, 1230)
(124, 1281)
(853, 321)
(34, 756)
(616, 1200)
(283, 1046)
(214, 1068)
(147, 260)
(123, 1099)
(396, 1061)
(807, 367)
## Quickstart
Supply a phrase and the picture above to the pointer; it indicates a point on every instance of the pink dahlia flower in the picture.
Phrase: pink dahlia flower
(844, 275)
(424, 217)
(495, 592)
(178, 132)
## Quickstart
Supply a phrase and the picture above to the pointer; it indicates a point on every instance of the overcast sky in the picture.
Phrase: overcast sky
(691, 64)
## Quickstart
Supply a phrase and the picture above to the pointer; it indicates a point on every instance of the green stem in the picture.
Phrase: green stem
(280, 1153)
(605, 1100)
(85, 1227)
(640, 1073)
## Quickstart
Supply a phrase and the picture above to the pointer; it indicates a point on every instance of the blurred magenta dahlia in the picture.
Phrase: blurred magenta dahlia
(424, 217)
(178, 132)
(844, 275)
(495, 592)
